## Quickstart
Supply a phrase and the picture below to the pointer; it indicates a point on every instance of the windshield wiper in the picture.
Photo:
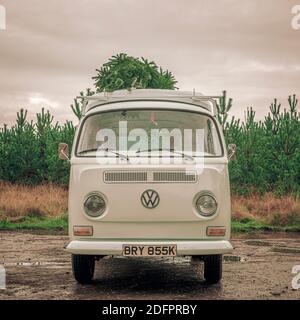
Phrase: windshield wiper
(120, 155)
(170, 150)
(87, 151)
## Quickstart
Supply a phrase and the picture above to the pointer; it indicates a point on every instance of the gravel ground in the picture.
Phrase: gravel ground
(37, 267)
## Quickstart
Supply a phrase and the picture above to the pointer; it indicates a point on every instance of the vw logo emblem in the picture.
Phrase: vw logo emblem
(150, 199)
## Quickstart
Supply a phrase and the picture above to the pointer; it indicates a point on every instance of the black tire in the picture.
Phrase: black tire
(213, 268)
(83, 267)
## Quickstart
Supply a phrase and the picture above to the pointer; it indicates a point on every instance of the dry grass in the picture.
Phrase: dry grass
(268, 209)
(19, 201)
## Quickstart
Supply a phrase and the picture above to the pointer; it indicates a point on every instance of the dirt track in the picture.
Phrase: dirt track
(38, 268)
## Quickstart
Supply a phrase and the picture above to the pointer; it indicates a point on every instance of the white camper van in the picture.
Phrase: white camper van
(149, 178)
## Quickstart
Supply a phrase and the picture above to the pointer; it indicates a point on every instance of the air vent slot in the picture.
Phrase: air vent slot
(125, 176)
(174, 176)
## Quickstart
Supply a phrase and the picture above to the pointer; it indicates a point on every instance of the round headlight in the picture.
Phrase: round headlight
(206, 204)
(94, 205)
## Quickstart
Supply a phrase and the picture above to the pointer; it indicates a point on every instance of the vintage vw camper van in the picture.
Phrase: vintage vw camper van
(148, 178)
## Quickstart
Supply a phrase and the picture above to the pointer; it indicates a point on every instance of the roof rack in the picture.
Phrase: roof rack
(197, 98)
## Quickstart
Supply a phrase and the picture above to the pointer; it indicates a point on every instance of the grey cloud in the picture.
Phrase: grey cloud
(52, 48)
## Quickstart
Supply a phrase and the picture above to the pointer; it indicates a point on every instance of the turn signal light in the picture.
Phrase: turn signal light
(216, 231)
(83, 231)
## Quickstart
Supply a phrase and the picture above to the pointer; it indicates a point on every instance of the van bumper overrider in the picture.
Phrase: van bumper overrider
(109, 247)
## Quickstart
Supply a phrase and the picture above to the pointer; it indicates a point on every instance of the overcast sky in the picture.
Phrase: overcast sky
(50, 49)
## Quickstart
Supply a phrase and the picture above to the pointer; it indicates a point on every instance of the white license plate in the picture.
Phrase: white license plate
(134, 250)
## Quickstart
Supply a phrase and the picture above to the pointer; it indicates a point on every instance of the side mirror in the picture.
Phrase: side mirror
(63, 151)
(231, 151)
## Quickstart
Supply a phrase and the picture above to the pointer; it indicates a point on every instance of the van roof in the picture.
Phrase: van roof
(192, 97)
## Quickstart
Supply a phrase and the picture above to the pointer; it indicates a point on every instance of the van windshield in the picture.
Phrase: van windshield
(144, 131)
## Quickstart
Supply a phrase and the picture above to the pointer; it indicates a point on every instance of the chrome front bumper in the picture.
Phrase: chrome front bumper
(110, 247)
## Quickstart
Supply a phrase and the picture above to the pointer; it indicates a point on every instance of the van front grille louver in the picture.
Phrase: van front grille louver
(125, 176)
(174, 176)
(150, 177)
